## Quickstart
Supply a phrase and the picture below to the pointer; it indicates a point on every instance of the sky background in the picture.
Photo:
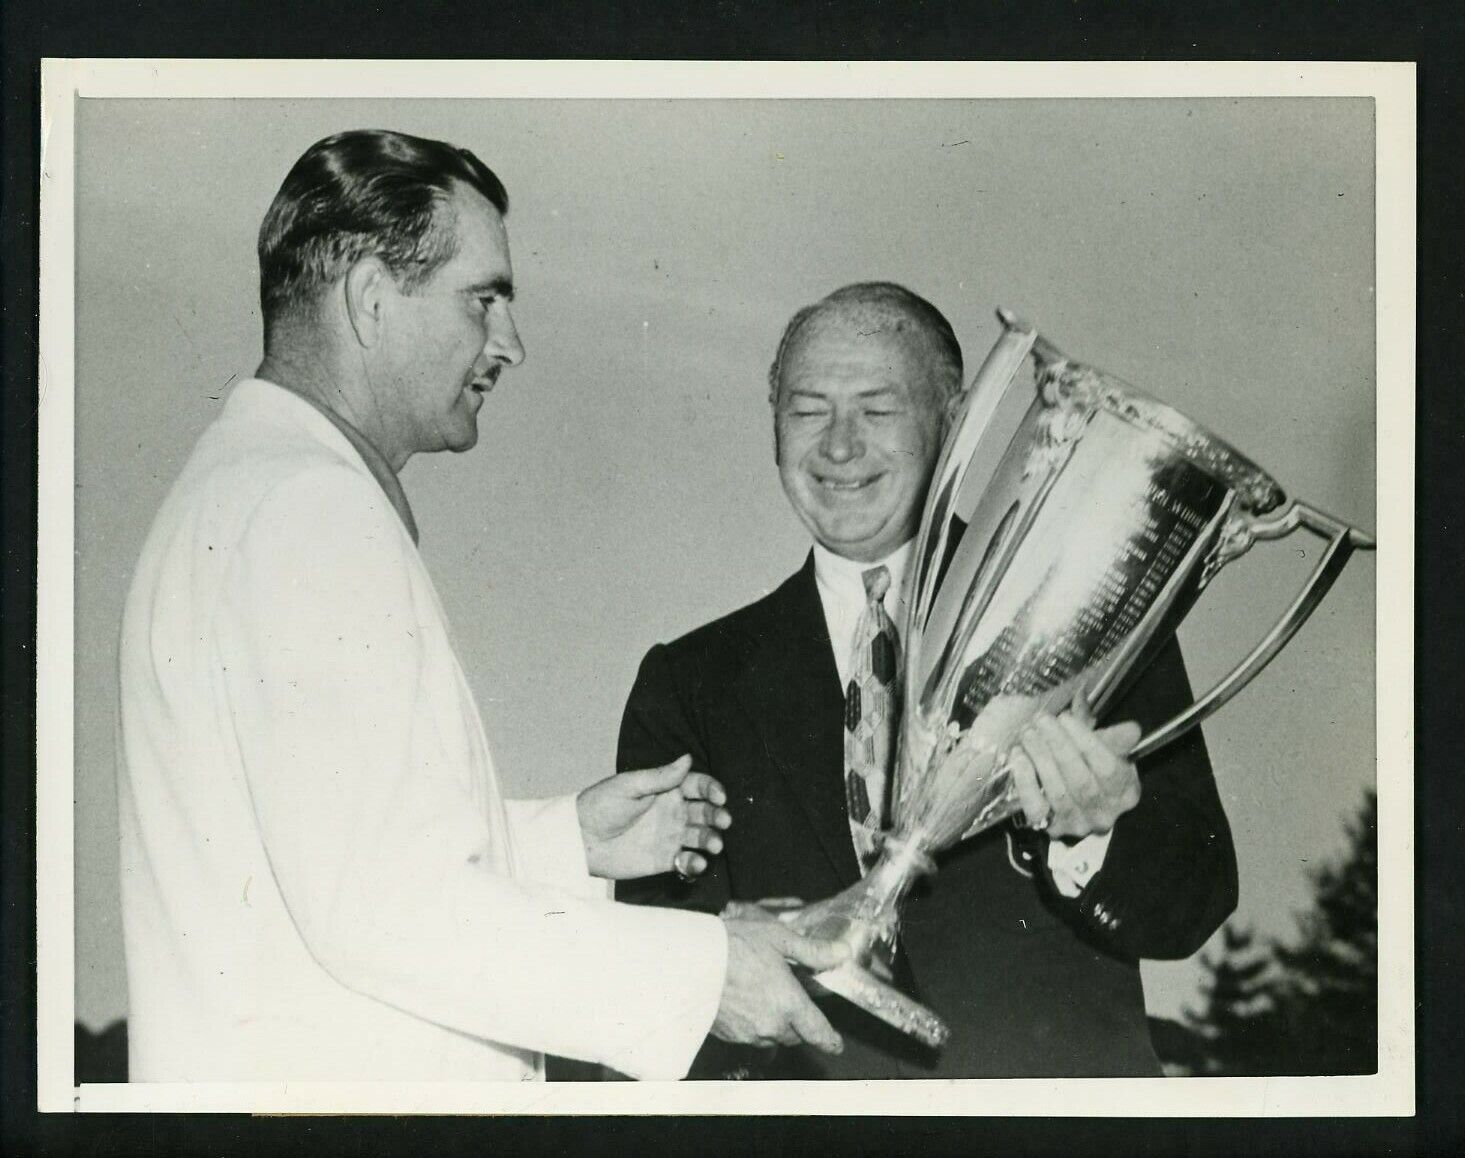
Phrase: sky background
(1217, 253)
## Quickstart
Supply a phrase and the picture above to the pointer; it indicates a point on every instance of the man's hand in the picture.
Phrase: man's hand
(768, 909)
(1071, 779)
(641, 823)
(762, 1003)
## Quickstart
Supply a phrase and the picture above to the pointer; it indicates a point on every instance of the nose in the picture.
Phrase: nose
(841, 441)
(503, 345)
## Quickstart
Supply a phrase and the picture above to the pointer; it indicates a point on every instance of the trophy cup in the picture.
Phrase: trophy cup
(1071, 524)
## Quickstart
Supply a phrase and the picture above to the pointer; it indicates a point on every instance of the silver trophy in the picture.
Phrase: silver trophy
(1072, 522)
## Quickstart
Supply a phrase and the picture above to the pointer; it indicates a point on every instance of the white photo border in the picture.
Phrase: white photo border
(1390, 85)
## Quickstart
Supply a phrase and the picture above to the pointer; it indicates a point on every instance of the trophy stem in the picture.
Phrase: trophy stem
(866, 917)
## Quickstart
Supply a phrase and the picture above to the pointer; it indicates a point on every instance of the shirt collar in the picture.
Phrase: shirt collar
(844, 578)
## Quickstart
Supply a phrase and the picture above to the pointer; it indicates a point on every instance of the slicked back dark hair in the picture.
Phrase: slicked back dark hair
(368, 191)
(879, 297)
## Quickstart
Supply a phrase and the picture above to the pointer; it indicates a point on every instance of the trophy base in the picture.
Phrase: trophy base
(859, 986)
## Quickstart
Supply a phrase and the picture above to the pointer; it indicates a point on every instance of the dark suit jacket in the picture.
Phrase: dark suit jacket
(1032, 983)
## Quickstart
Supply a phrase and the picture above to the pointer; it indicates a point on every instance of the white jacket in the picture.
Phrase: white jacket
(320, 879)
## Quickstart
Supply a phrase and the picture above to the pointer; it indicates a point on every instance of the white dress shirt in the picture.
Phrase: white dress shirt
(320, 877)
(841, 586)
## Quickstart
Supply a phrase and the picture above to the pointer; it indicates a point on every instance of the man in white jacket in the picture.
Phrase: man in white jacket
(320, 878)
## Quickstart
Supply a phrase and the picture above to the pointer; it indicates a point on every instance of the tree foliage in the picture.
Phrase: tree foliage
(1309, 1006)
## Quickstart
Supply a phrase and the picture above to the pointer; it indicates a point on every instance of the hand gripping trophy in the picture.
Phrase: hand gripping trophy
(1067, 532)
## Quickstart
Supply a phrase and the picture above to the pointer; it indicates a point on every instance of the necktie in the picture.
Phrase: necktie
(871, 703)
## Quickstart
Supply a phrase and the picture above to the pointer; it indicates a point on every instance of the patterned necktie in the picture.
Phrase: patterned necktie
(871, 702)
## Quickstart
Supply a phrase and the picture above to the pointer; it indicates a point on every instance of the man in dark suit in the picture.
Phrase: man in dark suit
(1027, 939)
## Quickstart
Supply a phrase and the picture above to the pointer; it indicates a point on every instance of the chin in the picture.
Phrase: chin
(863, 548)
(467, 442)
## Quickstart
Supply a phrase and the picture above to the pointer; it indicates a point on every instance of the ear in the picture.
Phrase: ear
(367, 285)
(952, 407)
(773, 411)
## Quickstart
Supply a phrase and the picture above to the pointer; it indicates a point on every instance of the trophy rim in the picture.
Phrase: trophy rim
(1062, 378)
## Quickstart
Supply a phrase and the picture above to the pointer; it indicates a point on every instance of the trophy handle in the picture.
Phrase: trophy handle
(1342, 539)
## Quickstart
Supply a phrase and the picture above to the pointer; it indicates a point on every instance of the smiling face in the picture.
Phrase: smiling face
(450, 337)
(858, 420)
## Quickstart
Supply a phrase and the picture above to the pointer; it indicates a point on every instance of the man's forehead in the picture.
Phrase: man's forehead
(867, 322)
(859, 331)
(469, 208)
(482, 239)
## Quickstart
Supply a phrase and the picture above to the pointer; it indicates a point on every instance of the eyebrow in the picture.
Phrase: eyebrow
(863, 395)
(499, 285)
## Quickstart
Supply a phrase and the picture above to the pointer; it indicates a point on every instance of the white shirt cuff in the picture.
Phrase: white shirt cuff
(1074, 865)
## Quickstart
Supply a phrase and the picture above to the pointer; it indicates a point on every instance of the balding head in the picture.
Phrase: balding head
(872, 307)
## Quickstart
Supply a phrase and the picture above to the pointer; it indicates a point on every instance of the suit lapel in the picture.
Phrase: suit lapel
(793, 693)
